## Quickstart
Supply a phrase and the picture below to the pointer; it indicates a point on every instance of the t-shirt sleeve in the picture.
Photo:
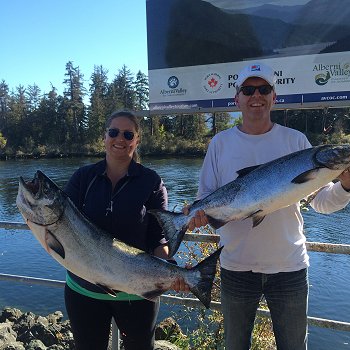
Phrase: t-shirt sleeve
(208, 177)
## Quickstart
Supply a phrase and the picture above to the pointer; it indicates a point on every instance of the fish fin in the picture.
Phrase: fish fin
(172, 234)
(215, 223)
(257, 220)
(109, 291)
(153, 294)
(207, 270)
(54, 244)
(305, 176)
(245, 171)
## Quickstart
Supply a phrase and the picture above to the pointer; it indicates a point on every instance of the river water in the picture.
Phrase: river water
(21, 254)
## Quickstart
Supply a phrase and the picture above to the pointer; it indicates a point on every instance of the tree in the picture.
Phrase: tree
(219, 121)
(4, 99)
(97, 112)
(121, 92)
(73, 103)
(141, 91)
(17, 125)
(49, 119)
(33, 93)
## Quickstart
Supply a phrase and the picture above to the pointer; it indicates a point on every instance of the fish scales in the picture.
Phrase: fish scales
(261, 190)
(91, 253)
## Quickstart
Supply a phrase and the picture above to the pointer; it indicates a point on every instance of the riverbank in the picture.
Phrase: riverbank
(163, 155)
(149, 147)
(27, 331)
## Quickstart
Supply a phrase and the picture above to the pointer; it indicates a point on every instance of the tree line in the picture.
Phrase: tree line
(33, 123)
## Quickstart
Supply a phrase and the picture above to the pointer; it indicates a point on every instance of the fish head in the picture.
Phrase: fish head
(335, 157)
(40, 200)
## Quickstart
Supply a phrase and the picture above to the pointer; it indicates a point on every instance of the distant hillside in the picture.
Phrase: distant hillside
(200, 33)
(335, 12)
(194, 32)
(340, 46)
(286, 14)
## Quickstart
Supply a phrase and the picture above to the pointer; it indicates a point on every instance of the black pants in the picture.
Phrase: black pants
(90, 320)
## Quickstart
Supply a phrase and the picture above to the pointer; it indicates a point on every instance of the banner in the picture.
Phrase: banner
(196, 49)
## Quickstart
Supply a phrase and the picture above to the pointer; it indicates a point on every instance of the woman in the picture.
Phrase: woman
(115, 194)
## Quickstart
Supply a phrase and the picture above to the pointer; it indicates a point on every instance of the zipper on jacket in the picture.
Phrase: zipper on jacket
(110, 208)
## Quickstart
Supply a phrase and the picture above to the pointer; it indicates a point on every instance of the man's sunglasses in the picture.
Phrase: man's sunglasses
(250, 90)
(114, 132)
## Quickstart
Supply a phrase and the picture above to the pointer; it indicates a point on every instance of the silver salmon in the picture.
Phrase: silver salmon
(89, 252)
(260, 190)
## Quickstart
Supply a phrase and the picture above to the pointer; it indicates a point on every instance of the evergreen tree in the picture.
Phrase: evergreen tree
(17, 126)
(141, 91)
(73, 103)
(98, 99)
(33, 93)
(121, 92)
(219, 121)
(50, 120)
(4, 100)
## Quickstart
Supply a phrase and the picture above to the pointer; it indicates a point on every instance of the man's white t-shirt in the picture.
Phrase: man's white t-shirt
(277, 244)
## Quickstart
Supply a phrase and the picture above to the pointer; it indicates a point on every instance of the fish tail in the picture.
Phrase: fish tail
(172, 233)
(207, 269)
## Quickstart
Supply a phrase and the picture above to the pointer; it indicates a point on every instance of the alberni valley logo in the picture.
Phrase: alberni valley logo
(173, 83)
(339, 72)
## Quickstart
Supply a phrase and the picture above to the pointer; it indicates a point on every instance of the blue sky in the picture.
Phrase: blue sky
(38, 38)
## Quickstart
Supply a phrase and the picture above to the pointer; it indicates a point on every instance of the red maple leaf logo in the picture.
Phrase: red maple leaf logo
(212, 82)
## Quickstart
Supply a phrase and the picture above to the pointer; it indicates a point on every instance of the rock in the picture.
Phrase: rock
(165, 345)
(24, 322)
(55, 317)
(36, 345)
(27, 331)
(7, 334)
(13, 346)
(10, 314)
(43, 333)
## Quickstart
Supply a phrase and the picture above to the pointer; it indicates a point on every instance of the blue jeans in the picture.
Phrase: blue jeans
(286, 294)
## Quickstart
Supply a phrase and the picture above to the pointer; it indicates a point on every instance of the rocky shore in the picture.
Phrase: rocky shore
(27, 331)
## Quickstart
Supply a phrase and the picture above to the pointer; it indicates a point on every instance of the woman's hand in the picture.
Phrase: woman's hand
(179, 285)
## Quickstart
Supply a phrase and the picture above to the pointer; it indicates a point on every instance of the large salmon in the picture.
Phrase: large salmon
(89, 252)
(260, 190)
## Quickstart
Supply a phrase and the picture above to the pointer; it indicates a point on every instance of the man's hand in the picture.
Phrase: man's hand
(344, 179)
(199, 220)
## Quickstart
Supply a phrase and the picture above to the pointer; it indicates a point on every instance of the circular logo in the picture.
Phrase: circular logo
(173, 82)
(212, 83)
(322, 79)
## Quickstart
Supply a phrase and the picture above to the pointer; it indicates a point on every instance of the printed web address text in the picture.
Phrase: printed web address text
(176, 106)
(333, 98)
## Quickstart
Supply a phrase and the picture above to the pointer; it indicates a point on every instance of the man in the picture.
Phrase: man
(271, 258)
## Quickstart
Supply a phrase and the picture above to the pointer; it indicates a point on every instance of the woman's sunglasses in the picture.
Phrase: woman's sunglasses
(114, 132)
(250, 90)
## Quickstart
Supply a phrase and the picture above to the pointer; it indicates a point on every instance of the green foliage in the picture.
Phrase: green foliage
(3, 141)
(36, 124)
(208, 331)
